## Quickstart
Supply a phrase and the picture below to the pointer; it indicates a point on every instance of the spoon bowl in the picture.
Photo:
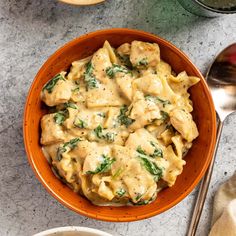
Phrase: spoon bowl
(221, 79)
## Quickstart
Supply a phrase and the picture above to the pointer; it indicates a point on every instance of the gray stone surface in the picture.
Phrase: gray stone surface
(32, 30)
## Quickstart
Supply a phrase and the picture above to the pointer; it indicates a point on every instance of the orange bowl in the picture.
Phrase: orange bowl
(198, 158)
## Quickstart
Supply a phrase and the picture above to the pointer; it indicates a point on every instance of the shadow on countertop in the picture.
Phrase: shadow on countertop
(30, 32)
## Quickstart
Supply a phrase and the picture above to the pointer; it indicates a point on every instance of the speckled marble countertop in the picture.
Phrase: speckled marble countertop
(32, 30)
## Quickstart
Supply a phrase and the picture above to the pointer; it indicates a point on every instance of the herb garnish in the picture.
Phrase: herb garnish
(157, 99)
(141, 151)
(164, 102)
(142, 62)
(61, 116)
(51, 83)
(75, 89)
(157, 151)
(121, 192)
(98, 131)
(152, 167)
(170, 127)
(143, 202)
(164, 115)
(67, 146)
(89, 77)
(80, 123)
(104, 166)
(117, 173)
(109, 137)
(138, 196)
(111, 71)
(71, 105)
(123, 118)
(125, 60)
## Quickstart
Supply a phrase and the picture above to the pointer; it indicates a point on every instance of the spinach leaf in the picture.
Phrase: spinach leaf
(89, 77)
(117, 173)
(138, 196)
(109, 136)
(75, 89)
(68, 145)
(142, 202)
(72, 143)
(150, 98)
(80, 123)
(121, 192)
(142, 62)
(111, 71)
(104, 166)
(171, 128)
(123, 118)
(71, 105)
(152, 167)
(125, 60)
(50, 85)
(164, 102)
(61, 116)
(157, 151)
(141, 151)
(164, 115)
(98, 131)
(157, 99)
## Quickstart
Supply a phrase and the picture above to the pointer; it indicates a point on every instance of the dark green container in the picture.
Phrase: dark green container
(200, 8)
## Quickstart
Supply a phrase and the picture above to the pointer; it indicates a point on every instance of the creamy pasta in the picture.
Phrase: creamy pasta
(121, 124)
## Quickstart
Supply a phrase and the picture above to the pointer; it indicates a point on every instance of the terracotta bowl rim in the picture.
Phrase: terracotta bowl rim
(211, 107)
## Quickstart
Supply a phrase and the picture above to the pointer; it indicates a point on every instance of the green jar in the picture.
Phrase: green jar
(209, 8)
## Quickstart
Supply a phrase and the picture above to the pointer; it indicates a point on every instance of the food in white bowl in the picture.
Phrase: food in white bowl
(72, 231)
(82, 2)
(120, 124)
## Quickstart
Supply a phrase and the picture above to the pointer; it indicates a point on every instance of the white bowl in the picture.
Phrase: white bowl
(82, 2)
(72, 231)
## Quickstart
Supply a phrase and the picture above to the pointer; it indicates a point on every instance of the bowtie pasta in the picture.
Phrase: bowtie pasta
(121, 124)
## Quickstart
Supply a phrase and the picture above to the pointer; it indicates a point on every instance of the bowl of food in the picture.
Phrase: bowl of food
(119, 125)
(82, 2)
(72, 231)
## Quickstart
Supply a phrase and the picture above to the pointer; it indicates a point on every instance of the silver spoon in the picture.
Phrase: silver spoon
(221, 79)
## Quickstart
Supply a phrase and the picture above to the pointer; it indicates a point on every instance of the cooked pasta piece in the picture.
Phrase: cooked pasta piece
(175, 166)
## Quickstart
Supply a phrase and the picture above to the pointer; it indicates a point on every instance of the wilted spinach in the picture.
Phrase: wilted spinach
(51, 83)
(104, 166)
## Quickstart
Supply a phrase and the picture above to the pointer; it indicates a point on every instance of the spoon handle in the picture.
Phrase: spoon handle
(201, 197)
